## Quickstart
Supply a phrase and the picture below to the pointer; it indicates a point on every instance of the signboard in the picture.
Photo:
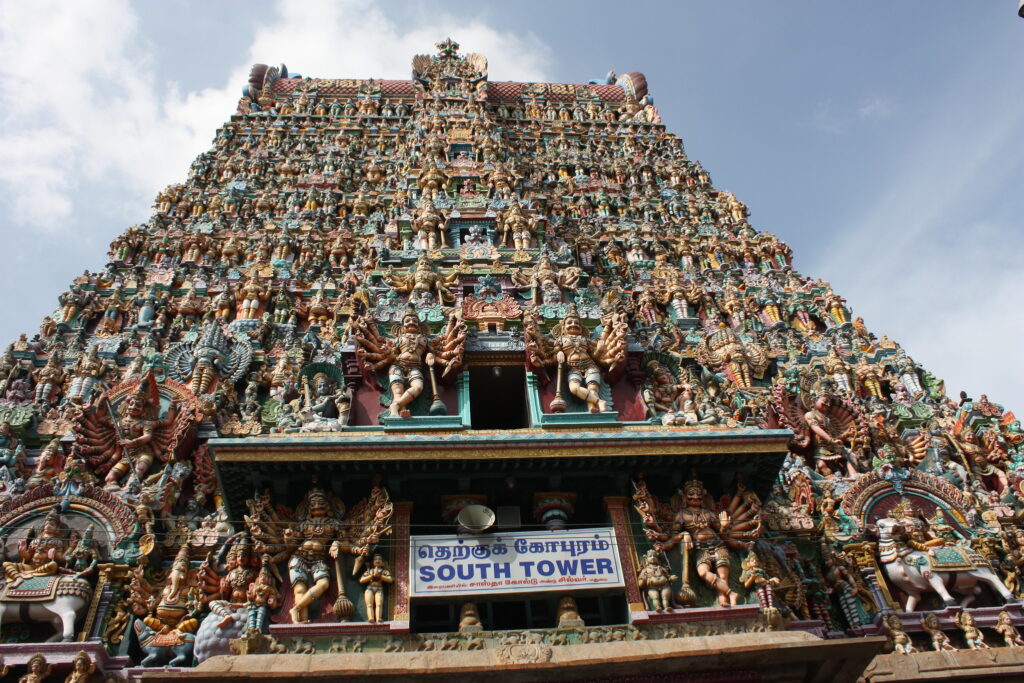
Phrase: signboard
(518, 562)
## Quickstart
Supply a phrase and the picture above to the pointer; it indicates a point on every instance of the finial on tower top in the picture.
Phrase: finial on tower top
(447, 48)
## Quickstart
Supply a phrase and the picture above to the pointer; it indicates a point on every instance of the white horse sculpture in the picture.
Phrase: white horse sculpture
(942, 569)
(72, 597)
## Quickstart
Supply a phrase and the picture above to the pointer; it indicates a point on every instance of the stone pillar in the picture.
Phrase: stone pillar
(618, 514)
(463, 396)
(98, 605)
(553, 509)
(863, 555)
(400, 596)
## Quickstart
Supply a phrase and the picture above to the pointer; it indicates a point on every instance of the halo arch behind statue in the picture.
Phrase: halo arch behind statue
(872, 496)
(112, 518)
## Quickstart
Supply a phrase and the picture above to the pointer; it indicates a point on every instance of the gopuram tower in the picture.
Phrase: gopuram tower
(462, 378)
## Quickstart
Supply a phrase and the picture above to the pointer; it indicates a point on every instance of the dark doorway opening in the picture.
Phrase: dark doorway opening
(497, 397)
(522, 612)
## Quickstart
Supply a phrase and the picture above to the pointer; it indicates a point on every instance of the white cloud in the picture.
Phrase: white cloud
(875, 108)
(358, 39)
(831, 118)
(87, 107)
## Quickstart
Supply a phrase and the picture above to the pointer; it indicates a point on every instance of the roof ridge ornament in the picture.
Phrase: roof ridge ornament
(448, 65)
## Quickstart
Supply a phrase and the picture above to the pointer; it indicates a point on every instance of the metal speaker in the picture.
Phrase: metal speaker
(475, 519)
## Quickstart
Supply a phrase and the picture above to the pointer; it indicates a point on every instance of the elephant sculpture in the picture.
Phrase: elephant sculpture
(70, 599)
(224, 623)
(916, 564)
(171, 648)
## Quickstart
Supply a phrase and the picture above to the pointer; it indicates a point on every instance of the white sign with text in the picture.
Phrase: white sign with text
(519, 562)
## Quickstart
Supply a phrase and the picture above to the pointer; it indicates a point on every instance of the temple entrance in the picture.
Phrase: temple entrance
(497, 397)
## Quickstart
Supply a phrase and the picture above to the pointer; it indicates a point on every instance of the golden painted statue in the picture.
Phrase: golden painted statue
(431, 179)
(38, 670)
(423, 280)
(376, 576)
(429, 225)
(656, 578)
(723, 349)
(515, 228)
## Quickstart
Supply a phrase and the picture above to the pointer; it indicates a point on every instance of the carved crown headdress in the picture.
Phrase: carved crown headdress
(904, 508)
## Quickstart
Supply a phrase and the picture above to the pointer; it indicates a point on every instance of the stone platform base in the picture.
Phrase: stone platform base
(357, 628)
(996, 664)
(782, 657)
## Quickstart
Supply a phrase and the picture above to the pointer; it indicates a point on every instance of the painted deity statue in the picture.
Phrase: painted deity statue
(310, 542)
(572, 348)
(422, 280)
(326, 405)
(704, 536)
(42, 552)
(898, 638)
(546, 280)
(319, 532)
(12, 451)
(742, 361)
(87, 371)
(141, 433)
(917, 561)
(429, 225)
(656, 578)
(406, 351)
(1004, 627)
(375, 578)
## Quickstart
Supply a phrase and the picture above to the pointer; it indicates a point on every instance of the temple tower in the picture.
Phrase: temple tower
(492, 373)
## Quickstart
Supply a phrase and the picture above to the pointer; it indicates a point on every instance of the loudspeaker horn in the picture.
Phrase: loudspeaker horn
(475, 519)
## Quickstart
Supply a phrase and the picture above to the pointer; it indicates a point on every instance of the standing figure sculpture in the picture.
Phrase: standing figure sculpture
(374, 578)
(656, 578)
(406, 351)
(319, 532)
(755, 577)
(263, 597)
(87, 371)
(571, 346)
(691, 522)
(309, 542)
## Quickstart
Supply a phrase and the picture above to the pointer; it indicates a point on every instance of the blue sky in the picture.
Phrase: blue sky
(882, 140)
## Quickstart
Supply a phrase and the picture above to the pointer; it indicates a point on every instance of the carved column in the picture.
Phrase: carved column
(400, 601)
(618, 514)
(98, 605)
(864, 555)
